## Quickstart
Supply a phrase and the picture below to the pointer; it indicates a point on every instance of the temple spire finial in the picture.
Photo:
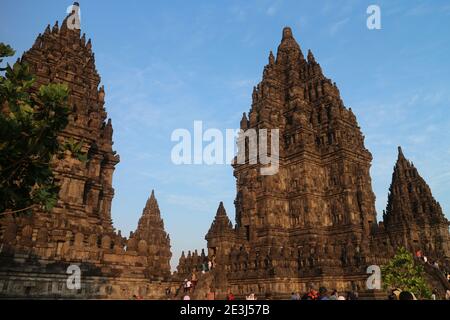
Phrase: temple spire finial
(151, 206)
(400, 151)
(221, 210)
(401, 157)
(288, 51)
(244, 121)
(55, 28)
(271, 58)
(311, 58)
(287, 33)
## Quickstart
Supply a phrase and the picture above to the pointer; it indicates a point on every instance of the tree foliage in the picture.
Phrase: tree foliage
(30, 121)
(401, 272)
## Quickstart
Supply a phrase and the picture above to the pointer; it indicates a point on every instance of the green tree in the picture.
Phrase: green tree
(401, 272)
(30, 121)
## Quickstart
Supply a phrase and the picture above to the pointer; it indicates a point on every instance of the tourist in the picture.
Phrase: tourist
(447, 295)
(185, 285)
(306, 296)
(295, 296)
(405, 295)
(394, 294)
(425, 259)
(352, 295)
(251, 296)
(186, 297)
(213, 262)
(434, 294)
(341, 298)
(230, 296)
(311, 295)
(204, 268)
(323, 294)
(194, 279)
(436, 265)
(189, 285)
(209, 265)
(419, 254)
(334, 295)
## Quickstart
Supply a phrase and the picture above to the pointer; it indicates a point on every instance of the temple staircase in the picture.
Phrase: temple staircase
(204, 285)
(435, 278)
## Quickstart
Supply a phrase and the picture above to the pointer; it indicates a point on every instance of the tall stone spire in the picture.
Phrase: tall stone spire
(413, 217)
(410, 196)
(150, 219)
(151, 206)
(220, 235)
(60, 55)
(152, 236)
(323, 182)
(221, 221)
(288, 48)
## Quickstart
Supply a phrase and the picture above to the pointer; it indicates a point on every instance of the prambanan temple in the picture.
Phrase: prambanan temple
(313, 223)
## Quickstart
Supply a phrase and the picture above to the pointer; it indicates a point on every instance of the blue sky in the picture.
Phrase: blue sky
(165, 64)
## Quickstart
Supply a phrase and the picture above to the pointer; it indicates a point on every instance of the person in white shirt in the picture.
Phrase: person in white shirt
(251, 296)
(189, 285)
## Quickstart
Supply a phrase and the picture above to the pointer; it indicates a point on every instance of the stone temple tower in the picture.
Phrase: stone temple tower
(151, 238)
(314, 221)
(413, 218)
(60, 55)
(321, 199)
(79, 230)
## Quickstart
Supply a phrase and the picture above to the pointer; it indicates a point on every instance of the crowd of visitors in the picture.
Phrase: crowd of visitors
(435, 264)
(189, 285)
(324, 294)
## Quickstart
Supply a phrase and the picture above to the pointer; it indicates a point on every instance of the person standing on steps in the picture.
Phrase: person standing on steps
(194, 279)
(185, 285)
(323, 294)
(419, 254)
(213, 262)
(434, 294)
(230, 296)
(334, 295)
(189, 286)
(251, 296)
(209, 265)
(204, 267)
